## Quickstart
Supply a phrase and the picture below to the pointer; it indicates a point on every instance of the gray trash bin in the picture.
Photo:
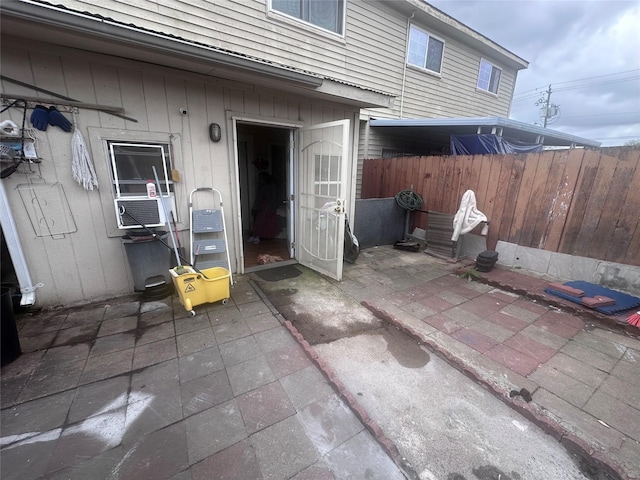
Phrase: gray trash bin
(149, 259)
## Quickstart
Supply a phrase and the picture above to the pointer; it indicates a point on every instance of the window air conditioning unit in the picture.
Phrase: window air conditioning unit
(139, 212)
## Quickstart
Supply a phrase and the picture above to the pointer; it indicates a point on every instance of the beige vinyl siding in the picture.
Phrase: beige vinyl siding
(90, 263)
(371, 55)
(454, 93)
(237, 25)
(375, 48)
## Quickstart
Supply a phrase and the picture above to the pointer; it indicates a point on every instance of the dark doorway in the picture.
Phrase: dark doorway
(263, 152)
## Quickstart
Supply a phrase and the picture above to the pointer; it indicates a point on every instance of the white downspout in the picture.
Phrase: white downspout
(10, 231)
(404, 69)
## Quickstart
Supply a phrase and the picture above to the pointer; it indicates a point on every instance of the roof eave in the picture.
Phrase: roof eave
(62, 18)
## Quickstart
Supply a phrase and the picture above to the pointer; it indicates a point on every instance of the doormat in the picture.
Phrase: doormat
(623, 300)
(278, 273)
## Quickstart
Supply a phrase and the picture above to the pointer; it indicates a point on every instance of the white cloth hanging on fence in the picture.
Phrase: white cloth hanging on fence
(468, 216)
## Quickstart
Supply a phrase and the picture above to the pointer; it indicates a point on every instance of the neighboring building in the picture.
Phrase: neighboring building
(213, 93)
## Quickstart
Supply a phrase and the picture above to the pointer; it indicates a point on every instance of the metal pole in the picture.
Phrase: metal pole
(166, 216)
(546, 108)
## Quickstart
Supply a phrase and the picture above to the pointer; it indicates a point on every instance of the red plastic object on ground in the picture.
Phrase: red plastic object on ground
(567, 290)
(598, 301)
(634, 319)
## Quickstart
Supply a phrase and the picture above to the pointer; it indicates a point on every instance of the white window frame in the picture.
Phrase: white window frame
(163, 175)
(425, 53)
(163, 151)
(484, 83)
(301, 21)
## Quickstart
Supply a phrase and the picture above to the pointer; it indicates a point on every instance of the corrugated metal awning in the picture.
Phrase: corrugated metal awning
(439, 130)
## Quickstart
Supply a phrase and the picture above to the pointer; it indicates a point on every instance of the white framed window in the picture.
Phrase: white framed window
(425, 51)
(489, 77)
(326, 14)
(132, 167)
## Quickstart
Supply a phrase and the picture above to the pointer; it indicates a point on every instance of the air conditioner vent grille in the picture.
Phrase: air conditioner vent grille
(134, 213)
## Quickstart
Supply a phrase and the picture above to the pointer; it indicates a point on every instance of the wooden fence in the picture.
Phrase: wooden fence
(579, 202)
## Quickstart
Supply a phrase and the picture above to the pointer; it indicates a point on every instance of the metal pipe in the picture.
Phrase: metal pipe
(166, 216)
(10, 231)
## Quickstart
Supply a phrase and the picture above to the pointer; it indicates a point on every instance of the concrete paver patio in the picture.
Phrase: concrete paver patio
(136, 389)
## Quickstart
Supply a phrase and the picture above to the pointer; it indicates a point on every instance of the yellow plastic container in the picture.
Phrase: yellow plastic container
(195, 288)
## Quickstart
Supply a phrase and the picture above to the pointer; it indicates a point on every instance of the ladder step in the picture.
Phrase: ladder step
(211, 264)
(209, 247)
(206, 221)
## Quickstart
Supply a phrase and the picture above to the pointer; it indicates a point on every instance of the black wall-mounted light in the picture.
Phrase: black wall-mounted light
(215, 132)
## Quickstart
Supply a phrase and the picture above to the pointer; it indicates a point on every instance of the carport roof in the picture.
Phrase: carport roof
(439, 130)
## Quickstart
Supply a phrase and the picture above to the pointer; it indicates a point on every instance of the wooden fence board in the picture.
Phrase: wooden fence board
(579, 202)
(427, 177)
(443, 186)
(474, 176)
(390, 176)
(466, 175)
(577, 212)
(490, 200)
(595, 201)
(612, 205)
(450, 193)
(482, 196)
(562, 199)
(552, 185)
(512, 190)
(530, 167)
(534, 207)
(502, 188)
(626, 202)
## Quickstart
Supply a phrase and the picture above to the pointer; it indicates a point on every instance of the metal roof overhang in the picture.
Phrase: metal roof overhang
(438, 130)
(58, 25)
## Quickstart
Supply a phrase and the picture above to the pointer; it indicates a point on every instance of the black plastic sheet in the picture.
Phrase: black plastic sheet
(486, 143)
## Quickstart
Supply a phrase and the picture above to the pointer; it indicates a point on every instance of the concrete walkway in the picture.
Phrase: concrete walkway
(134, 389)
(581, 369)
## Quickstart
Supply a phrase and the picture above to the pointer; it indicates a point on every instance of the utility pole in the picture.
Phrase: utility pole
(550, 109)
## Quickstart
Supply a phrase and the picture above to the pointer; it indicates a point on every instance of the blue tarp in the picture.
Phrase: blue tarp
(488, 143)
(623, 300)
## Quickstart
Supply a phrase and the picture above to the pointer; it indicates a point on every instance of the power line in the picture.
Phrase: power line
(597, 84)
(615, 138)
(531, 96)
(602, 114)
(580, 80)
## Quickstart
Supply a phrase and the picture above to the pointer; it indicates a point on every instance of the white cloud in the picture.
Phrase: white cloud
(579, 48)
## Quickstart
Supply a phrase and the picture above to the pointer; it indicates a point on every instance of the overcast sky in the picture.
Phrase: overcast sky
(588, 51)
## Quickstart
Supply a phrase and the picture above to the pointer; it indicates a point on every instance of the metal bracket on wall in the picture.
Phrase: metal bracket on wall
(115, 111)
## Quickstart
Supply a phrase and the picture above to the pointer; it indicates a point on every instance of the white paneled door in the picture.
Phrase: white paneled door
(322, 176)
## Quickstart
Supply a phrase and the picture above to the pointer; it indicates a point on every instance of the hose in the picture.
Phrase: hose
(409, 200)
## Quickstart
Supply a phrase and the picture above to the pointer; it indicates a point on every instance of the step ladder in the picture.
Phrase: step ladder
(207, 231)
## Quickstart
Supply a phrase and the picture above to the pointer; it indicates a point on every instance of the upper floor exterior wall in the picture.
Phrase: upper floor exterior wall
(370, 53)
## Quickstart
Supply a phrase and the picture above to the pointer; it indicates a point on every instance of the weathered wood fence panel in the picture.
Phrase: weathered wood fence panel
(578, 202)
